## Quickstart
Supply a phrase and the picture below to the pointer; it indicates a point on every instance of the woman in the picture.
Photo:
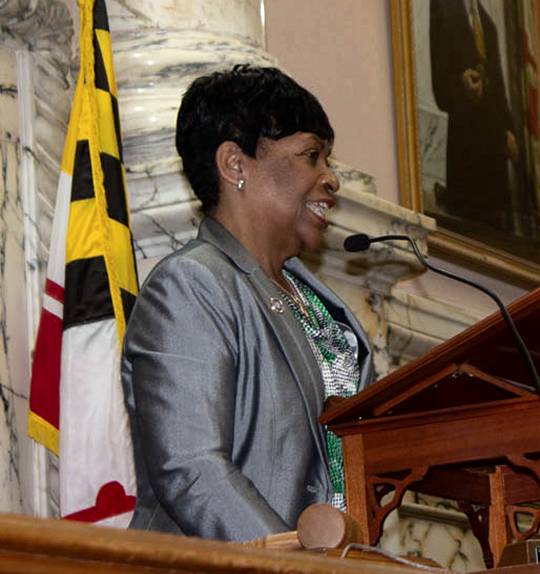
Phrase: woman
(233, 345)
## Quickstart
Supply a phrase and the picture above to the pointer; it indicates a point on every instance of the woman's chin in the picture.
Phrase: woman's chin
(312, 242)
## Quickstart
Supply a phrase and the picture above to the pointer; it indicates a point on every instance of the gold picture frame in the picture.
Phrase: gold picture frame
(445, 242)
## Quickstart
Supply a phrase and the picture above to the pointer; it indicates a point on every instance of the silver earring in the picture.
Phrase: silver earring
(241, 184)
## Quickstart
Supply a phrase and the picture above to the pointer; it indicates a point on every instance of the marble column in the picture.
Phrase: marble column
(160, 47)
(13, 346)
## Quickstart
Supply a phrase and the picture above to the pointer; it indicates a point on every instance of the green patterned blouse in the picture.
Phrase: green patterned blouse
(338, 362)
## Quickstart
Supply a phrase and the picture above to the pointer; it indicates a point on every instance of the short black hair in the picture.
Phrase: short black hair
(241, 105)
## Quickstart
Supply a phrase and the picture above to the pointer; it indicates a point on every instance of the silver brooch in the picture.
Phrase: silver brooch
(276, 305)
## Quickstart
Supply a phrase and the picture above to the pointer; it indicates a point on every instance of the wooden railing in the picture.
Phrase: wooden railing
(38, 546)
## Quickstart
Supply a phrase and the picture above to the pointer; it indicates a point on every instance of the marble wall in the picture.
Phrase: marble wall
(159, 47)
(14, 343)
(433, 528)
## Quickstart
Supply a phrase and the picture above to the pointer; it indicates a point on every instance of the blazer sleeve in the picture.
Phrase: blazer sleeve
(181, 343)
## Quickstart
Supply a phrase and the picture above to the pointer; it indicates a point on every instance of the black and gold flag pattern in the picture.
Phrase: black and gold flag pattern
(100, 277)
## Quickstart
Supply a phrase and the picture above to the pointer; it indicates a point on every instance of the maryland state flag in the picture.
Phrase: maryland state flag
(76, 402)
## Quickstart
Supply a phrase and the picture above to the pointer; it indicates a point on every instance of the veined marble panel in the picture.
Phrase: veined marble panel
(354, 179)
(160, 232)
(12, 280)
(9, 126)
(417, 324)
(241, 18)
(435, 528)
(10, 486)
(13, 346)
(50, 106)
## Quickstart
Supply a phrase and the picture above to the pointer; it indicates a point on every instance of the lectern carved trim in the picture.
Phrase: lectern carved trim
(377, 489)
(461, 422)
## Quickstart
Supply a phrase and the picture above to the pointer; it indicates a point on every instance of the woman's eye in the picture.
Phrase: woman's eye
(313, 155)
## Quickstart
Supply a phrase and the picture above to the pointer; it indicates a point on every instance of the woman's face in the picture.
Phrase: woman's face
(290, 186)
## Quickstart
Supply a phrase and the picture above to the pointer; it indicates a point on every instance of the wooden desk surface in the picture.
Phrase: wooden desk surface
(45, 546)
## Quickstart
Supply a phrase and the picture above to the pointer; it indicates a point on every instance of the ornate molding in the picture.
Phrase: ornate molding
(38, 25)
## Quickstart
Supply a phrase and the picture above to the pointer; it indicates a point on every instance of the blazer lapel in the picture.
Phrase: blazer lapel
(296, 349)
(289, 334)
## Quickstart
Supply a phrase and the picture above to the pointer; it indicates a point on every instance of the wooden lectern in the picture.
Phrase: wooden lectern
(461, 422)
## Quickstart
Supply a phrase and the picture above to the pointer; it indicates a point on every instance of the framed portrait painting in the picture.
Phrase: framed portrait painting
(468, 129)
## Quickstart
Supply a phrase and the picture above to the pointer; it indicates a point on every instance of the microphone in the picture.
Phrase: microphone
(362, 242)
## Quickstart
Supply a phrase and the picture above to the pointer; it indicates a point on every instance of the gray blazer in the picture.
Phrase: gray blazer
(223, 394)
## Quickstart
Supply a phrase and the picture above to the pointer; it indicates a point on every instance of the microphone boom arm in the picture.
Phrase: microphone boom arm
(506, 315)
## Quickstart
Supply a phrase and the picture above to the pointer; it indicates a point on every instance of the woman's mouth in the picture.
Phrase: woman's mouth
(319, 209)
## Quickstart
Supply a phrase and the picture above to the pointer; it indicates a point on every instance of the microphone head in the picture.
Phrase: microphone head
(357, 242)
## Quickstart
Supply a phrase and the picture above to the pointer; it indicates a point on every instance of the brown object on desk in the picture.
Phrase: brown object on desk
(287, 541)
(320, 526)
(323, 526)
(431, 424)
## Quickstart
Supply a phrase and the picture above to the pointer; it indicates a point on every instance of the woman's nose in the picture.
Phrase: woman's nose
(331, 181)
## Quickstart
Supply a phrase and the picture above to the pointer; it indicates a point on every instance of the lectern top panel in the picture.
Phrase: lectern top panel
(487, 350)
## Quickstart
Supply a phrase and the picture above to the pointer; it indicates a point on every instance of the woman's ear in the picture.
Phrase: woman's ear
(230, 163)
